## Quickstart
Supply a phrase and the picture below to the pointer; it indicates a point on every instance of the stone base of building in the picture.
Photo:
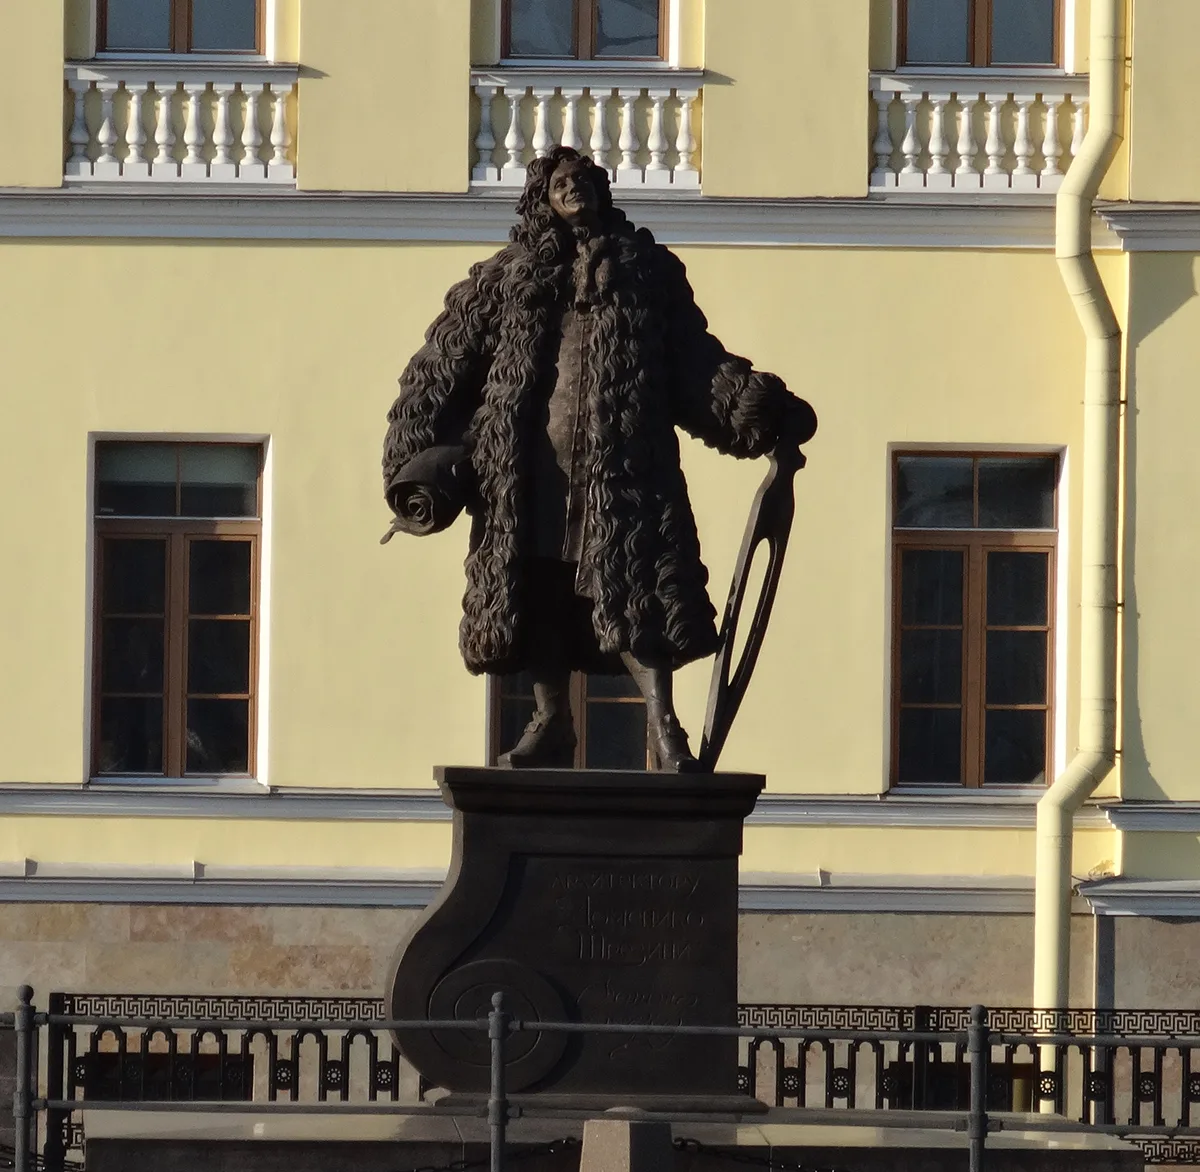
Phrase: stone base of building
(190, 1142)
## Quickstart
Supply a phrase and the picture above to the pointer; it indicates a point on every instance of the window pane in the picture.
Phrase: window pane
(131, 738)
(1017, 589)
(617, 685)
(931, 586)
(135, 480)
(938, 32)
(218, 736)
(930, 667)
(1017, 494)
(1023, 32)
(131, 655)
(219, 577)
(138, 24)
(934, 492)
(219, 25)
(616, 736)
(218, 656)
(219, 481)
(1014, 747)
(542, 28)
(135, 576)
(1016, 667)
(930, 748)
(627, 28)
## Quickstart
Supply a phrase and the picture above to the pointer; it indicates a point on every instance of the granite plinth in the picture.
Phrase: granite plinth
(588, 896)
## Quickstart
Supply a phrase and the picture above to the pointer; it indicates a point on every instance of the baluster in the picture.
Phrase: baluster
(1023, 175)
(485, 170)
(135, 166)
(658, 172)
(628, 141)
(910, 174)
(570, 135)
(1051, 143)
(966, 174)
(994, 174)
(686, 172)
(223, 166)
(280, 168)
(514, 140)
(543, 140)
(600, 144)
(80, 139)
(938, 174)
(164, 165)
(106, 165)
(193, 166)
(251, 165)
(1078, 125)
(883, 175)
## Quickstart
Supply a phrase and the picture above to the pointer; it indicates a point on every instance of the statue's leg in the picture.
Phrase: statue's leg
(548, 741)
(667, 738)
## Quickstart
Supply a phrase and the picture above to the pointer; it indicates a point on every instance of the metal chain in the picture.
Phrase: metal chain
(740, 1157)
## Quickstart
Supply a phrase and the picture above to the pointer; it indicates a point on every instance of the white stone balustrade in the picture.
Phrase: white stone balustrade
(179, 122)
(977, 132)
(641, 125)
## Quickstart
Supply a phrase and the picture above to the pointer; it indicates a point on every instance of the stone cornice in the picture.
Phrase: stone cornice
(1143, 897)
(32, 882)
(1154, 816)
(960, 809)
(1154, 227)
(484, 218)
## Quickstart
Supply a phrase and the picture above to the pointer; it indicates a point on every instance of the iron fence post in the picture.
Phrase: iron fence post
(54, 1152)
(497, 1100)
(23, 1024)
(977, 1121)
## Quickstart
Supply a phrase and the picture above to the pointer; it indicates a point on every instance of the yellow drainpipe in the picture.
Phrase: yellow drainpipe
(1098, 587)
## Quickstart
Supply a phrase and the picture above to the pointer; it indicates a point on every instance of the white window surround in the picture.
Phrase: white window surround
(270, 55)
(258, 784)
(674, 45)
(1069, 65)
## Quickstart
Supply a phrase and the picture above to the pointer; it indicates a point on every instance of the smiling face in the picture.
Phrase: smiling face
(573, 195)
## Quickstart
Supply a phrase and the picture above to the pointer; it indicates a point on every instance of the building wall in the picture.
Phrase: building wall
(31, 88)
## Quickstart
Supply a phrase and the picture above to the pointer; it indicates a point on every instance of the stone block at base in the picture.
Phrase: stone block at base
(584, 896)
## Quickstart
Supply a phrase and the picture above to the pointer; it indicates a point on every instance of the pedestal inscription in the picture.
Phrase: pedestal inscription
(606, 898)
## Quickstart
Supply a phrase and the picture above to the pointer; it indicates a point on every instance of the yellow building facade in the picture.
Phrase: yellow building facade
(230, 240)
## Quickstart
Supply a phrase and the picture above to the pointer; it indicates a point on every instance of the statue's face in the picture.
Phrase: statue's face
(573, 195)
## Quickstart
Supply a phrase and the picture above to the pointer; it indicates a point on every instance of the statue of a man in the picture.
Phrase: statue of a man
(545, 402)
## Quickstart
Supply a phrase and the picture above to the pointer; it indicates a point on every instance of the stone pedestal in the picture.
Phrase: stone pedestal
(584, 896)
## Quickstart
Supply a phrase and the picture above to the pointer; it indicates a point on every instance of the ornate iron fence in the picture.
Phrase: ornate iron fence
(1131, 1073)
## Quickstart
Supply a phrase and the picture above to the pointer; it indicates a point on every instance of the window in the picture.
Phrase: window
(585, 29)
(609, 712)
(974, 544)
(177, 550)
(996, 33)
(180, 26)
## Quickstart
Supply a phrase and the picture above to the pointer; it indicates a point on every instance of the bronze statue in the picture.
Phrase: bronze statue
(545, 402)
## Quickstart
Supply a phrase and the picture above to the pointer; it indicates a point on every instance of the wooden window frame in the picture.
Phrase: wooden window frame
(181, 32)
(976, 544)
(979, 36)
(583, 35)
(579, 701)
(178, 532)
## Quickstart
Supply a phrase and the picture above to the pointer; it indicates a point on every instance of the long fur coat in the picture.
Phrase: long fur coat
(653, 366)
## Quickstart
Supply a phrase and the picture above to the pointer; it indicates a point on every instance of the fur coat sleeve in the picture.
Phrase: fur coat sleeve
(440, 388)
(719, 397)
